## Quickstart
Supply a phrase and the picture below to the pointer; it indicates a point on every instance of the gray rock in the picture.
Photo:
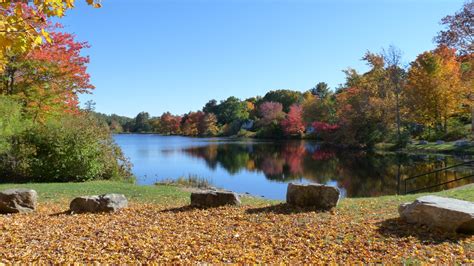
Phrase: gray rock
(214, 198)
(422, 142)
(312, 195)
(448, 214)
(18, 200)
(461, 143)
(102, 203)
(439, 142)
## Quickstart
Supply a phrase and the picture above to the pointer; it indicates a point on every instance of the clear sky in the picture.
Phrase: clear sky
(175, 55)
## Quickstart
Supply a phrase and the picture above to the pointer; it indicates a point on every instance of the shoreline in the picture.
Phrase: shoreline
(447, 148)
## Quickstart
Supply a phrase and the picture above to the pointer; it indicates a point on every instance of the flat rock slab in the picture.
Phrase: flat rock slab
(18, 200)
(312, 195)
(101, 203)
(448, 214)
(214, 198)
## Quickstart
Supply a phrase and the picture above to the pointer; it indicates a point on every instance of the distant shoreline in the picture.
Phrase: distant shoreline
(447, 148)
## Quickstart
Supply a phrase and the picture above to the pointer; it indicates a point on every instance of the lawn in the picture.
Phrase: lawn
(430, 147)
(160, 227)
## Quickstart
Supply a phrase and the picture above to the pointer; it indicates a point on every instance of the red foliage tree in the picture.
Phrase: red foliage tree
(170, 124)
(49, 79)
(191, 124)
(293, 123)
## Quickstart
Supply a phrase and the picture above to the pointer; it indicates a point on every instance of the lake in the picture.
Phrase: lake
(264, 168)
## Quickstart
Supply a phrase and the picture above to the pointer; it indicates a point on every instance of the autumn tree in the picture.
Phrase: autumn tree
(459, 34)
(208, 125)
(49, 79)
(459, 31)
(360, 122)
(23, 25)
(191, 124)
(318, 109)
(293, 123)
(434, 89)
(366, 110)
(467, 79)
(270, 112)
(169, 124)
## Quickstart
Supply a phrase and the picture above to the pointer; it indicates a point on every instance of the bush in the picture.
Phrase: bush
(273, 131)
(231, 128)
(401, 141)
(73, 148)
(455, 130)
(10, 122)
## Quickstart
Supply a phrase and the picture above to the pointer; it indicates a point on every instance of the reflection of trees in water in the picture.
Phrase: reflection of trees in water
(359, 173)
(448, 176)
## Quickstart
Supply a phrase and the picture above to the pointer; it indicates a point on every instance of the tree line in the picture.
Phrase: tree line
(431, 98)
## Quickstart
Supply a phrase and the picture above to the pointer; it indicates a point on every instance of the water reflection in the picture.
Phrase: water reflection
(264, 168)
(358, 174)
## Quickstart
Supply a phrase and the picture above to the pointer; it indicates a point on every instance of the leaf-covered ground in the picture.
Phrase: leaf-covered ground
(365, 230)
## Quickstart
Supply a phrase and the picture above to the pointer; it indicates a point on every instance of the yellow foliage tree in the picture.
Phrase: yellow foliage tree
(434, 90)
(22, 23)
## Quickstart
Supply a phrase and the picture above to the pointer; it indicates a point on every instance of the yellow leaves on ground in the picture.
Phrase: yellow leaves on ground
(152, 233)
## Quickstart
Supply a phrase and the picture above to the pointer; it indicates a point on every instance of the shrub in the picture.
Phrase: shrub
(273, 130)
(456, 130)
(10, 122)
(73, 148)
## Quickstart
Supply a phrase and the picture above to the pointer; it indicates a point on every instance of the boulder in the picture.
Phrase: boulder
(422, 142)
(18, 200)
(448, 214)
(102, 203)
(214, 198)
(461, 143)
(439, 142)
(312, 195)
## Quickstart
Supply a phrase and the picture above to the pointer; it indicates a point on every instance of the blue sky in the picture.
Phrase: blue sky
(175, 55)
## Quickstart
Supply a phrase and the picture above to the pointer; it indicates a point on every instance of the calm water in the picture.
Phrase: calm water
(265, 168)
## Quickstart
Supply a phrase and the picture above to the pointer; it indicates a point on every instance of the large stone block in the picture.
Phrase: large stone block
(312, 195)
(102, 203)
(18, 200)
(438, 212)
(214, 198)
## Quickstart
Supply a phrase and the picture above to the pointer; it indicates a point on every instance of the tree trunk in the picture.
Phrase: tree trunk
(398, 117)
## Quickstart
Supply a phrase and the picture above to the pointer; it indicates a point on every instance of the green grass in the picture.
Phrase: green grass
(173, 195)
(66, 191)
(447, 147)
(431, 147)
(157, 194)
(462, 193)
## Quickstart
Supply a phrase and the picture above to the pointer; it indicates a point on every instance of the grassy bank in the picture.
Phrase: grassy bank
(159, 227)
(430, 147)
